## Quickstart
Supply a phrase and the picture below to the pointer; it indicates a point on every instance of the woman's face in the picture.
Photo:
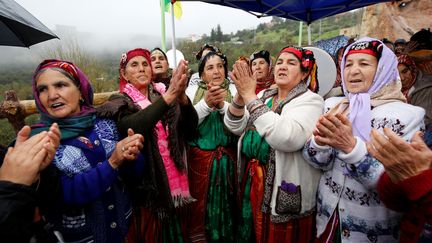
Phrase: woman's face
(214, 71)
(359, 72)
(159, 63)
(58, 94)
(405, 75)
(287, 71)
(138, 72)
(260, 68)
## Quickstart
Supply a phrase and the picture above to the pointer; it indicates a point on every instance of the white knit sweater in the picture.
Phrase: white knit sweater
(349, 180)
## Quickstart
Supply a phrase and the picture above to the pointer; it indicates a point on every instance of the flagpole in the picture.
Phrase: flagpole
(173, 34)
(163, 41)
(300, 33)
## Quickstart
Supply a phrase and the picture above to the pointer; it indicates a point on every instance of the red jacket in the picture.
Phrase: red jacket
(412, 196)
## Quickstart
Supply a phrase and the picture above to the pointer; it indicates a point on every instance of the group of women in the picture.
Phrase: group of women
(250, 156)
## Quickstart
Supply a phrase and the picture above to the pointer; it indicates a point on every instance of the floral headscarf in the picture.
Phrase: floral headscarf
(75, 125)
(307, 64)
(408, 61)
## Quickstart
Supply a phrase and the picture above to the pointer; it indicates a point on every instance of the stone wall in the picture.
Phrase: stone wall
(395, 20)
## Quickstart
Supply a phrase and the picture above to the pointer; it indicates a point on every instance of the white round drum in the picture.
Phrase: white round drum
(170, 56)
(326, 69)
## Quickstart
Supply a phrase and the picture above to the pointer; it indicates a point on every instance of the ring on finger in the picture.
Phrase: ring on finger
(123, 149)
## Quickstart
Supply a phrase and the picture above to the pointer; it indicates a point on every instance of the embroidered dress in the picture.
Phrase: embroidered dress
(212, 178)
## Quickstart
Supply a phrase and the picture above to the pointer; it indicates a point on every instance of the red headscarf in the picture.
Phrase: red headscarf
(307, 63)
(373, 48)
(408, 61)
(125, 58)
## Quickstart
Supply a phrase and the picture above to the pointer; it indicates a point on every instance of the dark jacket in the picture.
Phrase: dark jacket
(181, 120)
(19, 221)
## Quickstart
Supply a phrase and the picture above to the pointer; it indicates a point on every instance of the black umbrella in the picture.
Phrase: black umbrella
(19, 28)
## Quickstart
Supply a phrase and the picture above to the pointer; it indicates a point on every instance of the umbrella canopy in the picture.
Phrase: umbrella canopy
(19, 28)
(301, 10)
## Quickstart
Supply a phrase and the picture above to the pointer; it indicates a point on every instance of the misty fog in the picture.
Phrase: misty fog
(96, 44)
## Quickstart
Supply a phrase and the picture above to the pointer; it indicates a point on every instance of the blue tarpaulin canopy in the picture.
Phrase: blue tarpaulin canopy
(301, 10)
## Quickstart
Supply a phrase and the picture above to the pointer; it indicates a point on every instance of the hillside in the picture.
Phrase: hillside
(271, 36)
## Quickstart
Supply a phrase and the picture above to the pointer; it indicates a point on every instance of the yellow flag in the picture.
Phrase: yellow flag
(177, 9)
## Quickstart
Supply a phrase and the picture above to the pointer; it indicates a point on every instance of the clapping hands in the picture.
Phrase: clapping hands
(126, 149)
(30, 155)
(335, 131)
(178, 84)
(244, 81)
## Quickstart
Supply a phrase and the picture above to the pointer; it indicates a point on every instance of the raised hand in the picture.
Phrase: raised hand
(126, 149)
(400, 159)
(52, 145)
(244, 81)
(178, 84)
(23, 163)
(335, 131)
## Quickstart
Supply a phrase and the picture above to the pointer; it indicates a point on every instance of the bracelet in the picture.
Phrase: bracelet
(236, 105)
(233, 117)
(253, 103)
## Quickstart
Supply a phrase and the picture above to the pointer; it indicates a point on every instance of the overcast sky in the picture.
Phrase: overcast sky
(137, 16)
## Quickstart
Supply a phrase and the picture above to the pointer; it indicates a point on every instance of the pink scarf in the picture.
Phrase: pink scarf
(177, 180)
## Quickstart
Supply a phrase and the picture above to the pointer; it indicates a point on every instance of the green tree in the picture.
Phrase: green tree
(213, 35)
(219, 33)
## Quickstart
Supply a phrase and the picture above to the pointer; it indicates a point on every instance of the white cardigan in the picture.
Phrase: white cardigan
(287, 134)
(349, 180)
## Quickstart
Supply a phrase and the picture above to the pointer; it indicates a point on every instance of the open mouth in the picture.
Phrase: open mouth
(158, 66)
(56, 105)
(282, 75)
(355, 81)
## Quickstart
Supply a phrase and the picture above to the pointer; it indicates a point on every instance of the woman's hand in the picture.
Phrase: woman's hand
(244, 81)
(126, 149)
(335, 131)
(23, 163)
(215, 96)
(178, 85)
(401, 160)
(52, 145)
